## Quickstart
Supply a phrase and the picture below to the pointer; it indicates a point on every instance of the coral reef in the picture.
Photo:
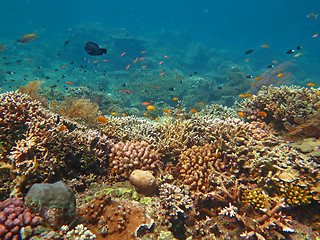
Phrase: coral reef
(55, 202)
(143, 181)
(126, 157)
(110, 219)
(290, 108)
(14, 217)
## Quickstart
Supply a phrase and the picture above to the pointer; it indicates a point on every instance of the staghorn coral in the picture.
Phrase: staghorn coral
(14, 217)
(293, 109)
(126, 157)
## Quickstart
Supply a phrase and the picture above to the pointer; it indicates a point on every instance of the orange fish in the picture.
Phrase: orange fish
(69, 82)
(167, 116)
(114, 114)
(241, 114)
(265, 46)
(28, 59)
(201, 103)
(280, 74)
(258, 78)
(166, 56)
(53, 104)
(143, 51)
(28, 37)
(151, 108)
(248, 95)
(122, 91)
(166, 110)
(145, 114)
(144, 66)
(145, 103)
(63, 66)
(254, 84)
(128, 91)
(193, 111)
(161, 62)
(315, 35)
(151, 118)
(262, 114)
(105, 60)
(242, 95)
(3, 47)
(157, 119)
(135, 60)
(310, 84)
(142, 58)
(161, 73)
(95, 61)
(123, 114)
(275, 61)
(175, 99)
(102, 119)
(122, 54)
(128, 67)
(62, 128)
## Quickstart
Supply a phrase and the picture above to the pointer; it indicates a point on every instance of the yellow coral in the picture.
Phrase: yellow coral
(296, 195)
(254, 197)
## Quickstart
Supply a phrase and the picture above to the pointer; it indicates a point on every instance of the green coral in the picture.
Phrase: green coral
(254, 197)
(296, 195)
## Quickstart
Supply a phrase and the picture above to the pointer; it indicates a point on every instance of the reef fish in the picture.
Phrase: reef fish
(3, 47)
(93, 49)
(102, 119)
(248, 51)
(28, 37)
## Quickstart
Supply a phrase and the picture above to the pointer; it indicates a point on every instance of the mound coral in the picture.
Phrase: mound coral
(126, 157)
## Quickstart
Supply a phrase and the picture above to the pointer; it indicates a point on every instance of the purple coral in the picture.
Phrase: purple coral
(13, 217)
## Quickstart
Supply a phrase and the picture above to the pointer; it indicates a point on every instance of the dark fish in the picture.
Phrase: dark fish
(248, 51)
(270, 66)
(290, 51)
(249, 76)
(93, 49)
(172, 89)
(10, 73)
(219, 87)
(66, 42)
(299, 47)
(124, 85)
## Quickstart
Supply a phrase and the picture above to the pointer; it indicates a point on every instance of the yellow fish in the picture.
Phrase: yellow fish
(114, 114)
(265, 46)
(28, 37)
(151, 108)
(298, 54)
(280, 74)
(175, 99)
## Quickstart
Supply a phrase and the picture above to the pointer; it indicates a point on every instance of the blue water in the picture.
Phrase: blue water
(231, 26)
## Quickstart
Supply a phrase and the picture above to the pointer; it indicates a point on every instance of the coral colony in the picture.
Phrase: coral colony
(210, 175)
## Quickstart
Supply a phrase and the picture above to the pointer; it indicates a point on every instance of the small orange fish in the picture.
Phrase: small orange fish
(95, 61)
(193, 111)
(69, 82)
(151, 118)
(161, 73)
(3, 47)
(63, 66)
(62, 128)
(280, 74)
(151, 108)
(241, 114)
(142, 58)
(28, 60)
(128, 91)
(258, 78)
(102, 119)
(157, 119)
(242, 95)
(135, 60)
(166, 56)
(28, 37)
(298, 54)
(144, 66)
(128, 67)
(248, 95)
(175, 99)
(166, 110)
(254, 84)
(262, 114)
(53, 104)
(143, 51)
(145, 114)
(105, 60)
(201, 103)
(275, 61)
(265, 46)
(167, 116)
(122, 91)
(310, 84)
(145, 103)
(124, 114)
(114, 114)
(315, 35)
(124, 53)
(161, 62)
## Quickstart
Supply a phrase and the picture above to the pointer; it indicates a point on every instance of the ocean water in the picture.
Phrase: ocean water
(203, 37)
